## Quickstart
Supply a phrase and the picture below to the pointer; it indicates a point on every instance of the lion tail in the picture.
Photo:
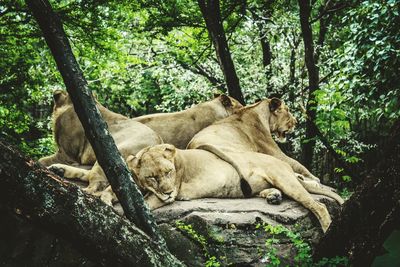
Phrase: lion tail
(244, 185)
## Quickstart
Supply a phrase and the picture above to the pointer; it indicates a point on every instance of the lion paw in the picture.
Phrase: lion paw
(272, 195)
(106, 199)
(60, 171)
(90, 190)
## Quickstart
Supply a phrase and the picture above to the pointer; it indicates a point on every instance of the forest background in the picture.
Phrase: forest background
(159, 56)
(156, 56)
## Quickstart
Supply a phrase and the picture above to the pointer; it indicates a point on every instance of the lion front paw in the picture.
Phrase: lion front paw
(60, 171)
(90, 190)
(272, 195)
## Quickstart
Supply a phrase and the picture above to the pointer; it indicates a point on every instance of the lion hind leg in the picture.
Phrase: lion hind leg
(317, 188)
(291, 187)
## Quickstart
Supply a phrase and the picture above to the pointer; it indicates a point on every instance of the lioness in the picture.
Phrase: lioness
(250, 129)
(74, 148)
(178, 128)
(169, 174)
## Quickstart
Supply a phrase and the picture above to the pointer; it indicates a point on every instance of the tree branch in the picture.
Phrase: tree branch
(197, 69)
(95, 128)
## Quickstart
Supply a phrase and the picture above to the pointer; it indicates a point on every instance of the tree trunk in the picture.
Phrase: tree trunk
(292, 69)
(370, 215)
(313, 80)
(95, 128)
(211, 12)
(261, 21)
(94, 228)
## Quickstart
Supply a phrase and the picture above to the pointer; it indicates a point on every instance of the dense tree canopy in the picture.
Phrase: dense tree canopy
(147, 56)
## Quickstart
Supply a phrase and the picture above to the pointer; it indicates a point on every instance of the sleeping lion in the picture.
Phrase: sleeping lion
(170, 174)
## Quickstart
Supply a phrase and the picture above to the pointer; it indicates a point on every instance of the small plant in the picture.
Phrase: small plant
(303, 249)
(212, 261)
(345, 193)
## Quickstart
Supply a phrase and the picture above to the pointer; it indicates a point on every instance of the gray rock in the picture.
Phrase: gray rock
(229, 227)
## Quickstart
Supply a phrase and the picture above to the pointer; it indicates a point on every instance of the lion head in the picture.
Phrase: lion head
(155, 171)
(61, 98)
(281, 121)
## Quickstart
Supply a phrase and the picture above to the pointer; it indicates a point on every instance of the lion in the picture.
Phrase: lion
(251, 129)
(170, 174)
(74, 148)
(69, 135)
(178, 128)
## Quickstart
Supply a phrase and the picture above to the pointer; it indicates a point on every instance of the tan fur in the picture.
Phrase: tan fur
(171, 174)
(178, 128)
(310, 185)
(74, 148)
(251, 129)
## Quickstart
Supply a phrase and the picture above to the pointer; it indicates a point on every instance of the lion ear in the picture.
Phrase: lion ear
(274, 104)
(132, 162)
(60, 97)
(216, 94)
(226, 101)
(169, 151)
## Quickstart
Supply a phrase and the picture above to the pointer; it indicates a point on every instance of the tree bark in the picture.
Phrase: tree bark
(313, 80)
(95, 128)
(211, 12)
(370, 215)
(92, 227)
(261, 21)
(292, 68)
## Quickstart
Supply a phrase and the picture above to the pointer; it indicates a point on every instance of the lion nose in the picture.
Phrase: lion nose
(169, 192)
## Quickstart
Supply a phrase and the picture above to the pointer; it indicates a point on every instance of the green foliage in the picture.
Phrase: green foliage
(302, 256)
(156, 56)
(39, 147)
(211, 261)
(364, 84)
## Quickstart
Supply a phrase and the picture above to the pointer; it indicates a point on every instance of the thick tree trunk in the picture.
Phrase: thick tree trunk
(95, 128)
(62, 208)
(370, 215)
(211, 12)
(313, 80)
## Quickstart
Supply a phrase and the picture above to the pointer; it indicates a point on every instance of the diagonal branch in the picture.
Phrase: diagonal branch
(95, 128)
(45, 200)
